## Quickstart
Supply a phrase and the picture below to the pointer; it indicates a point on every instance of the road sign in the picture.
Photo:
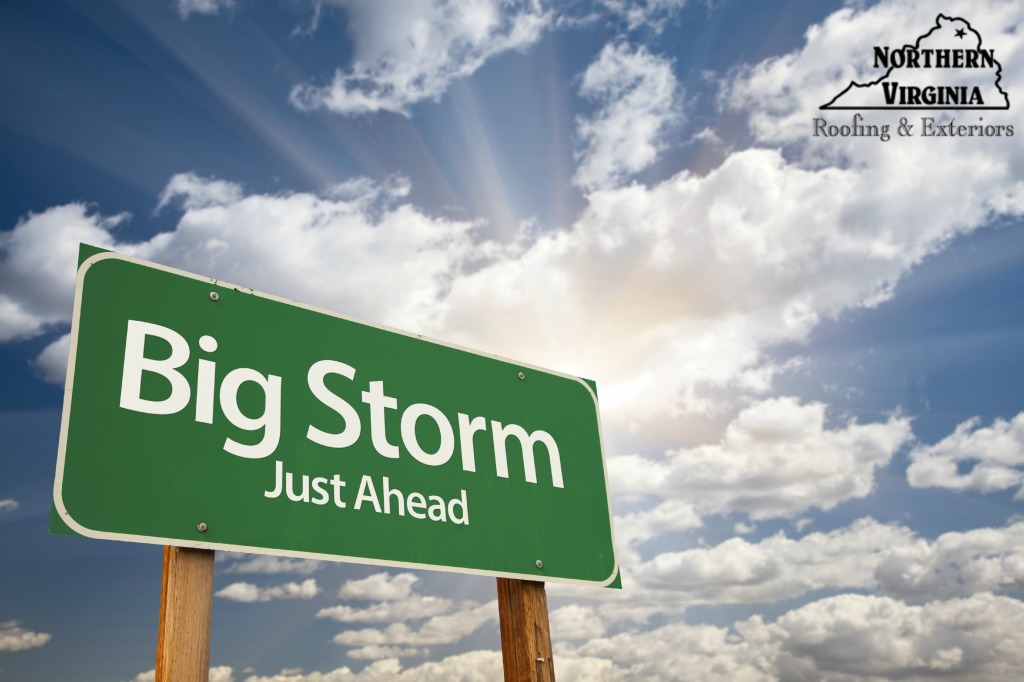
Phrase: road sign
(203, 414)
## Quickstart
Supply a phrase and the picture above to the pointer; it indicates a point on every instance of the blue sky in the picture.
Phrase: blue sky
(807, 348)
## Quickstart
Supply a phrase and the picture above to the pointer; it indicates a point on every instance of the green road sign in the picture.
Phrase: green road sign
(203, 414)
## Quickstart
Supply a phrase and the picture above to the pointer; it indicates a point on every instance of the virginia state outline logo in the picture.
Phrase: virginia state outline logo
(946, 68)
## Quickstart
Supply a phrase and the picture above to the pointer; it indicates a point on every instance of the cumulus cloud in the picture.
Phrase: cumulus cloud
(8, 505)
(576, 622)
(52, 363)
(445, 629)
(221, 673)
(413, 607)
(379, 587)
(955, 564)
(37, 266)
(474, 666)
(13, 637)
(334, 246)
(865, 555)
(269, 565)
(977, 458)
(247, 592)
(845, 637)
(406, 52)
(196, 192)
(208, 7)
(966, 639)
(776, 459)
(775, 568)
(638, 101)
(375, 653)
(395, 603)
(890, 559)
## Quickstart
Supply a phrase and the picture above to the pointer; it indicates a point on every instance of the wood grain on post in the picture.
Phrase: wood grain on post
(525, 637)
(186, 600)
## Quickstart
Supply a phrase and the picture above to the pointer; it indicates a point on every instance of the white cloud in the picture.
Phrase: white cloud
(638, 102)
(866, 556)
(220, 673)
(269, 565)
(407, 51)
(645, 13)
(994, 455)
(775, 568)
(978, 638)
(37, 266)
(576, 622)
(375, 653)
(208, 7)
(379, 587)
(197, 192)
(955, 564)
(334, 246)
(413, 607)
(444, 629)
(52, 363)
(473, 666)
(776, 459)
(247, 592)
(13, 637)
(843, 638)
(8, 505)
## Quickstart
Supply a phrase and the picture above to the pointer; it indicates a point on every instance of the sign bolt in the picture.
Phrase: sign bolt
(202, 526)
(540, 564)
(522, 376)
(214, 295)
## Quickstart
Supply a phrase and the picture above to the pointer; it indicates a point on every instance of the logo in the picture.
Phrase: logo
(946, 69)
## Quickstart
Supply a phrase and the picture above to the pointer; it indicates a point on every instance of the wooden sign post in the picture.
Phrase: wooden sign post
(525, 636)
(186, 600)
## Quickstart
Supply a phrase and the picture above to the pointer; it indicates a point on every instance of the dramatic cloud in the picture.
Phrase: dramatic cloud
(638, 101)
(247, 592)
(8, 505)
(327, 261)
(776, 459)
(13, 637)
(409, 51)
(973, 457)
